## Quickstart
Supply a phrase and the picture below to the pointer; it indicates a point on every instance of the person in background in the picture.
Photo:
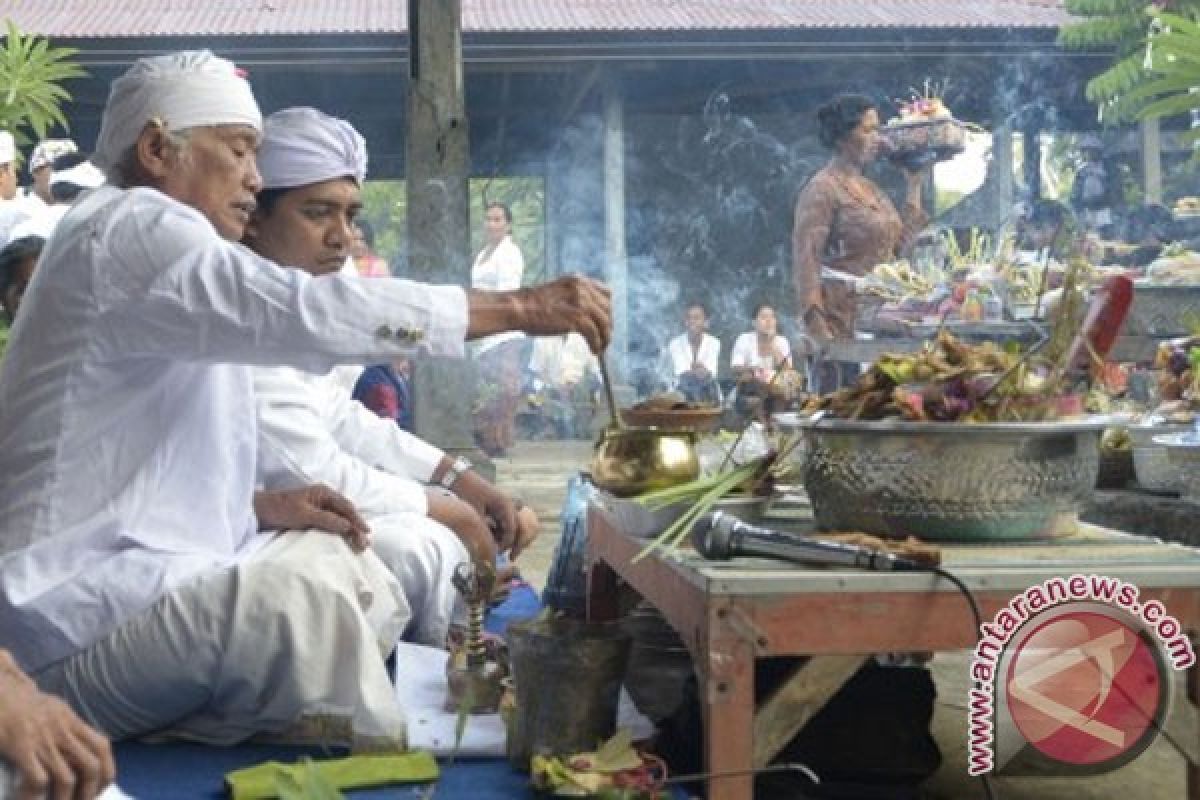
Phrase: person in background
(1046, 229)
(310, 430)
(498, 266)
(1149, 228)
(844, 225)
(1096, 191)
(692, 359)
(762, 363)
(41, 166)
(144, 577)
(385, 390)
(18, 259)
(759, 353)
(50, 751)
(73, 175)
(366, 262)
(8, 167)
(13, 209)
(565, 380)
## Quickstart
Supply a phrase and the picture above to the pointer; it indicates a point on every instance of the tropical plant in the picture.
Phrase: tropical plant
(1172, 85)
(31, 74)
(1123, 26)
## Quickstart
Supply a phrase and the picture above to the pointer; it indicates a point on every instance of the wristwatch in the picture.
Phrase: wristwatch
(454, 472)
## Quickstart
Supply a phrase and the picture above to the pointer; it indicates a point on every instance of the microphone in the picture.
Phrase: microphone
(719, 536)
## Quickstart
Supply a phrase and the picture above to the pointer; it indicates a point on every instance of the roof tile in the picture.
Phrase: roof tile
(92, 19)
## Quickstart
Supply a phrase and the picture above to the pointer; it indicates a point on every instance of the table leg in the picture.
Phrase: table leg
(1193, 769)
(602, 584)
(728, 698)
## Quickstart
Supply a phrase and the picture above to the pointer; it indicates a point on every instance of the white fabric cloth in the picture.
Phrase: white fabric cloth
(562, 360)
(83, 174)
(182, 90)
(498, 268)
(48, 150)
(310, 430)
(12, 213)
(745, 354)
(127, 433)
(422, 554)
(41, 224)
(681, 356)
(302, 146)
(8, 148)
(245, 651)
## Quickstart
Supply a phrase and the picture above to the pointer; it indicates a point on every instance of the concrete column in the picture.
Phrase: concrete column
(1151, 160)
(616, 261)
(437, 165)
(1002, 169)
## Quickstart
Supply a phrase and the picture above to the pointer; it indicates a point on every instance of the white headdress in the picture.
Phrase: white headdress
(302, 146)
(181, 90)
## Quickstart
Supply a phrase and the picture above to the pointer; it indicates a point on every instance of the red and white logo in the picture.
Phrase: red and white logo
(1086, 686)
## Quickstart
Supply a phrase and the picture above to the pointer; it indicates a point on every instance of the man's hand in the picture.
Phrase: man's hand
(492, 504)
(55, 754)
(528, 527)
(315, 506)
(466, 523)
(568, 304)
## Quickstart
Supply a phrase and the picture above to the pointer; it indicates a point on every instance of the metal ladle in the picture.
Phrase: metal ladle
(608, 392)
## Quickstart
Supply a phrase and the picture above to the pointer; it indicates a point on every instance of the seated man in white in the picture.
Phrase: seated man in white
(142, 576)
(692, 359)
(311, 430)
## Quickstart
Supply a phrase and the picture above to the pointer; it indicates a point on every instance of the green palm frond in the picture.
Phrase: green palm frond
(31, 97)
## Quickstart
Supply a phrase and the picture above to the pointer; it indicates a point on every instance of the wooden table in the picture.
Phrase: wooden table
(731, 613)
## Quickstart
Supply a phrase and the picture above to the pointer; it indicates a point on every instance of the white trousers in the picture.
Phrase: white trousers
(422, 554)
(288, 645)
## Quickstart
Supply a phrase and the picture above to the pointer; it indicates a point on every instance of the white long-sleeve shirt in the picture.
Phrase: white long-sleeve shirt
(498, 268)
(127, 417)
(681, 357)
(311, 430)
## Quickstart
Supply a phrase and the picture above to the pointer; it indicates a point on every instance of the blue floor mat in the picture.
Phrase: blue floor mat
(180, 771)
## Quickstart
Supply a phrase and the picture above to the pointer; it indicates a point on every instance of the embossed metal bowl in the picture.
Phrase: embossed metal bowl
(1162, 309)
(1151, 464)
(950, 481)
(1183, 453)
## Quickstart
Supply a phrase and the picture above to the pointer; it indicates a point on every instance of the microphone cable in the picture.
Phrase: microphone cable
(936, 569)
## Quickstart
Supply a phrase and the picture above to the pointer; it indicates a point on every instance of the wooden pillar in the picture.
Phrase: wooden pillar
(616, 260)
(437, 165)
(1151, 160)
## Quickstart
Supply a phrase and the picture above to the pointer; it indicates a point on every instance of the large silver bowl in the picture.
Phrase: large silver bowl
(949, 481)
(1151, 464)
(1162, 309)
(1183, 452)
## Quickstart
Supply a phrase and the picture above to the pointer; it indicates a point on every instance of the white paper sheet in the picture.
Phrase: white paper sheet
(421, 689)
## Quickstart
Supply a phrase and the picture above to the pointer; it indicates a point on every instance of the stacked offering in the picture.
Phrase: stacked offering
(924, 132)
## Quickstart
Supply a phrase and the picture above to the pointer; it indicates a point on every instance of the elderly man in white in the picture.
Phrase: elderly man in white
(135, 577)
(310, 429)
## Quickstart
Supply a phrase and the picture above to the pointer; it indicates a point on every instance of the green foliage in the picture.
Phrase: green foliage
(1174, 71)
(312, 785)
(1123, 26)
(31, 72)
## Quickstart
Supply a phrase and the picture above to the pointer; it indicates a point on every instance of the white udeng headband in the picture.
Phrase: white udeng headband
(183, 90)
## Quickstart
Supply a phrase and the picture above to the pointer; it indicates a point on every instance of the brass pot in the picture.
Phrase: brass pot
(631, 461)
